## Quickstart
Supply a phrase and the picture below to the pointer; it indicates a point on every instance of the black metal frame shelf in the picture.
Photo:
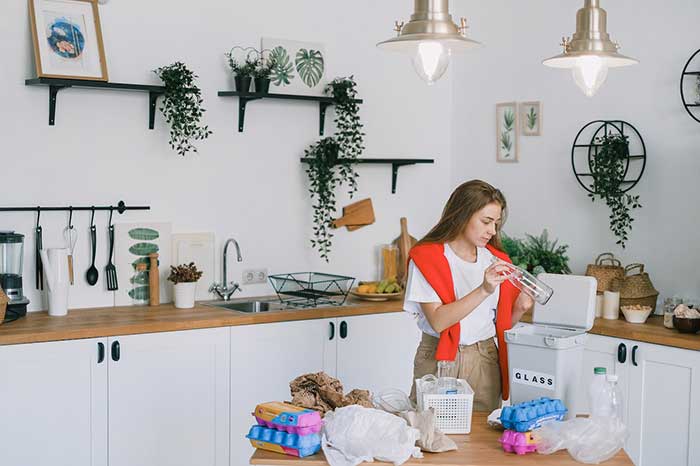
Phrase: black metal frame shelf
(395, 165)
(685, 73)
(56, 84)
(245, 97)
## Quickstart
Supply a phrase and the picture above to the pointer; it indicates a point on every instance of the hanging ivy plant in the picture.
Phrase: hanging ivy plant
(182, 107)
(608, 170)
(331, 161)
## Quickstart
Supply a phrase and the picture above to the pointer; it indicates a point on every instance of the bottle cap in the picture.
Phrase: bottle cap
(600, 370)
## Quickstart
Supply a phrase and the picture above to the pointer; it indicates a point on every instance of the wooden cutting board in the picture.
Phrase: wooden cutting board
(404, 242)
(356, 215)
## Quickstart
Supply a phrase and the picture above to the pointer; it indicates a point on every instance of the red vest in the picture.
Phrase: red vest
(431, 261)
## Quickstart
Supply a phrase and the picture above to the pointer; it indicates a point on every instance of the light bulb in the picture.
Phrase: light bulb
(431, 61)
(589, 74)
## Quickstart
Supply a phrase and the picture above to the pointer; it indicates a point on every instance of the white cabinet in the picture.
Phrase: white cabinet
(169, 399)
(664, 406)
(264, 359)
(661, 393)
(375, 352)
(53, 408)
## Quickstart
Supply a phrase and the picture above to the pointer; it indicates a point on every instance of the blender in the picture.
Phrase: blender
(11, 257)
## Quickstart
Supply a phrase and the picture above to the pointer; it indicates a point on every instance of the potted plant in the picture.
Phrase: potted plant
(608, 170)
(331, 161)
(537, 253)
(262, 73)
(243, 72)
(182, 107)
(184, 278)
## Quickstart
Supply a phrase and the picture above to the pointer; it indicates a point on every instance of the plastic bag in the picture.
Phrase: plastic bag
(393, 401)
(589, 440)
(353, 434)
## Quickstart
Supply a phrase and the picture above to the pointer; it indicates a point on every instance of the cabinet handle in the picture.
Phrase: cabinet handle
(622, 353)
(100, 352)
(332, 331)
(116, 353)
(634, 355)
(343, 330)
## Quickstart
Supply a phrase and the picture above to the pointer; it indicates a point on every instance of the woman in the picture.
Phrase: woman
(458, 292)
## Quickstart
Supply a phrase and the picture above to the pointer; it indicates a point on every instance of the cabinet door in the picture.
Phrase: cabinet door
(376, 352)
(169, 399)
(604, 352)
(264, 359)
(54, 404)
(664, 406)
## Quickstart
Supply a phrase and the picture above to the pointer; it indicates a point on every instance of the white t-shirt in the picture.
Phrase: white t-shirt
(467, 276)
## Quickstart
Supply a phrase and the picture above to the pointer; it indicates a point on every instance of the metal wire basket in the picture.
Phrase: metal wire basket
(311, 289)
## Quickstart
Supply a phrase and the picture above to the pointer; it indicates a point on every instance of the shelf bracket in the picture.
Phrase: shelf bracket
(322, 106)
(395, 174)
(53, 94)
(242, 102)
(152, 104)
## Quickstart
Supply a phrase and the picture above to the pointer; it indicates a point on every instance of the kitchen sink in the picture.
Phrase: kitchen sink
(249, 306)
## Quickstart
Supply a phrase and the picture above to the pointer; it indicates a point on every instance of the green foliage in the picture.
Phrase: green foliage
(608, 169)
(282, 72)
(143, 234)
(506, 142)
(331, 161)
(182, 107)
(309, 66)
(537, 253)
(508, 120)
(531, 119)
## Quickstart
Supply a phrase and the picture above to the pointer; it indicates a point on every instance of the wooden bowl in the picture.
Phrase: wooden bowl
(685, 325)
(375, 296)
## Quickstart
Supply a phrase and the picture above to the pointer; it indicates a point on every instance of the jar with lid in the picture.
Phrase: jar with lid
(670, 305)
(140, 290)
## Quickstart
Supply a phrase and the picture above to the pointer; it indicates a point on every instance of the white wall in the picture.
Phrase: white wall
(247, 185)
(542, 190)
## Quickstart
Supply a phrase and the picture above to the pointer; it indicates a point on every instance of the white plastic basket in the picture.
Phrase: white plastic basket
(453, 413)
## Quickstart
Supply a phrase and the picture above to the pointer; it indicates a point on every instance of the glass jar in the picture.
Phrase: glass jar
(140, 289)
(388, 261)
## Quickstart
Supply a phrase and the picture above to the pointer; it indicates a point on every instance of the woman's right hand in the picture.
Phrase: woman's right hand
(494, 275)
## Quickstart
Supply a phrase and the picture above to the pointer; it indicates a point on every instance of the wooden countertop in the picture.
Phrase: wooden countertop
(479, 448)
(129, 320)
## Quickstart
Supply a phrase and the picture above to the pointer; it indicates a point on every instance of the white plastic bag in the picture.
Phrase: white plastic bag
(589, 440)
(353, 434)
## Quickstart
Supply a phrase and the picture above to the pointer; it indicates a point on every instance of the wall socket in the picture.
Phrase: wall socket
(254, 276)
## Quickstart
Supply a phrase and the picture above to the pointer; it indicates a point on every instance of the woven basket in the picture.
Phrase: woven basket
(636, 288)
(605, 269)
(3, 305)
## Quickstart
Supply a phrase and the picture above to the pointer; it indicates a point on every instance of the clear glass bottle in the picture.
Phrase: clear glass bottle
(527, 283)
(139, 285)
(446, 383)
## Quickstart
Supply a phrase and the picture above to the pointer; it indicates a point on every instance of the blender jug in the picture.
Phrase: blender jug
(11, 259)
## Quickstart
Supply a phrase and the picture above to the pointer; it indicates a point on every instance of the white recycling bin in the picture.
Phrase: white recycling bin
(545, 358)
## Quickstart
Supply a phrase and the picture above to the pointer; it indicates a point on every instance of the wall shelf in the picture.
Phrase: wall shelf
(687, 103)
(244, 98)
(395, 165)
(56, 84)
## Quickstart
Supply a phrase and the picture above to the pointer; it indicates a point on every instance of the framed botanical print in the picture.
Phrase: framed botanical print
(531, 118)
(67, 39)
(507, 132)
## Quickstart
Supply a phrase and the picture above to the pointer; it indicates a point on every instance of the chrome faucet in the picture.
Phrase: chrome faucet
(226, 289)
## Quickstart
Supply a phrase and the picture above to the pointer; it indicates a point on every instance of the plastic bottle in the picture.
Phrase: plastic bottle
(615, 395)
(598, 397)
(446, 384)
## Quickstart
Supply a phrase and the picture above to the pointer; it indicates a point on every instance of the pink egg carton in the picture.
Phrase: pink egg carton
(519, 443)
(288, 418)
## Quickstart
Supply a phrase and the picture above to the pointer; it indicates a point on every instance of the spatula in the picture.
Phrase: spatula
(111, 270)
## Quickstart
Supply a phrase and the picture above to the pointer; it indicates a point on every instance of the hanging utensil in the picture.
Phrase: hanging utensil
(39, 272)
(71, 237)
(92, 274)
(111, 270)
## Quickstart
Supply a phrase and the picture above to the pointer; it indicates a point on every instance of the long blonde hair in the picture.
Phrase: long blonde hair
(465, 201)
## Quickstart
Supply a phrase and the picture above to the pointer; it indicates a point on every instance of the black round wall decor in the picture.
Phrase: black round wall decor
(586, 147)
(692, 74)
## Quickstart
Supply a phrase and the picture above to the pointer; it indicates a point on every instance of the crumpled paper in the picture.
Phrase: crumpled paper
(431, 438)
(324, 393)
(353, 434)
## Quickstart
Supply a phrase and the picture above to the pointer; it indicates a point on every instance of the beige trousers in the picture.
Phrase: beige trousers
(477, 364)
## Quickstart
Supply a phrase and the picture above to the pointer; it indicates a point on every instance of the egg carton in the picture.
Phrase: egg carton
(288, 418)
(282, 442)
(519, 443)
(530, 415)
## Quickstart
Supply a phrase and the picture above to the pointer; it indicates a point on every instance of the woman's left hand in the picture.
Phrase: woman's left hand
(523, 304)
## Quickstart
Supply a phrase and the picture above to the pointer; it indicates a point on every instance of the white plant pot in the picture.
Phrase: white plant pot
(184, 295)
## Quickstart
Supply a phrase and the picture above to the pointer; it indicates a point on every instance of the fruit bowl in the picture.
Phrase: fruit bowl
(636, 314)
(685, 325)
(375, 296)
(377, 291)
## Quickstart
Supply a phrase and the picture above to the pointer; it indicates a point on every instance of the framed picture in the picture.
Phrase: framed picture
(67, 39)
(507, 132)
(531, 118)
(301, 66)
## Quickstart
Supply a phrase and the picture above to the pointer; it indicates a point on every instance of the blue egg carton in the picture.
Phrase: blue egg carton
(291, 444)
(530, 415)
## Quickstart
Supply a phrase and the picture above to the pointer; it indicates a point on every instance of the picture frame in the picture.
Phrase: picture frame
(507, 132)
(301, 66)
(67, 39)
(531, 118)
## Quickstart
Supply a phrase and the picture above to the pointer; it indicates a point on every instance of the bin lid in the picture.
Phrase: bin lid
(571, 306)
